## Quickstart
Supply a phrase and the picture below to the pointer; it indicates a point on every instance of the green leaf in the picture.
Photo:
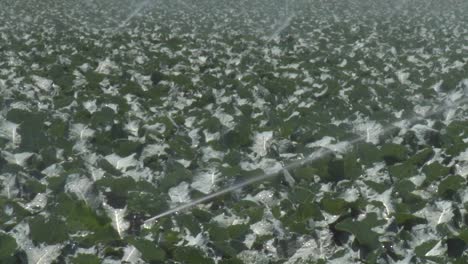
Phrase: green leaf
(309, 210)
(130, 87)
(362, 231)
(93, 78)
(58, 134)
(18, 213)
(334, 206)
(461, 260)
(156, 92)
(306, 173)
(181, 148)
(103, 117)
(182, 80)
(411, 202)
(231, 261)
(422, 157)
(378, 187)
(57, 183)
(238, 232)
(8, 245)
(170, 240)
(456, 148)
(157, 76)
(425, 247)
(85, 259)
(463, 235)
(225, 249)
(434, 171)
(233, 157)
(34, 187)
(403, 170)
(80, 217)
(372, 220)
(238, 137)
(218, 233)
(301, 195)
(457, 128)
(48, 157)
(408, 220)
(148, 203)
(368, 153)
(116, 190)
(125, 147)
(352, 168)
(120, 101)
(202, 215)
(176, 173)
(109, 168)
(336, 170)
(404, 187)
(249, 209)
(149, 250)
(33, 138)
(49, 231)
(393, 153)
(455, 247)
(191, 255)
(448, 187)
(189, 222)
(324, 167)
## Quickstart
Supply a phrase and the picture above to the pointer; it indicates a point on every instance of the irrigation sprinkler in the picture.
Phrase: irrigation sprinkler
(320, 153)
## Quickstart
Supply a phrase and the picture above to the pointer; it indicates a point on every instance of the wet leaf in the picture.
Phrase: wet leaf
(408, 220)
(149, 250)
(85, 259)
(450, 185)
(191, 255)
(362, 230)
(50, 230)
(8, 246)
(393, 153)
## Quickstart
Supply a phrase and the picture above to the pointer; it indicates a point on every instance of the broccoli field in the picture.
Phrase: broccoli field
(261, 131)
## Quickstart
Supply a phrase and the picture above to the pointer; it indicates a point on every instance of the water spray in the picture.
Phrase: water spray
(135, 12)
(320, 153)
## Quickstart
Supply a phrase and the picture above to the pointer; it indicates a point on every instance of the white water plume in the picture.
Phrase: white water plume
(281, 27)
(320, 153)
(283, 24)
(135, 12)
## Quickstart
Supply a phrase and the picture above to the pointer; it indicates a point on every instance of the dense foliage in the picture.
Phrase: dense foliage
(115, 111)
